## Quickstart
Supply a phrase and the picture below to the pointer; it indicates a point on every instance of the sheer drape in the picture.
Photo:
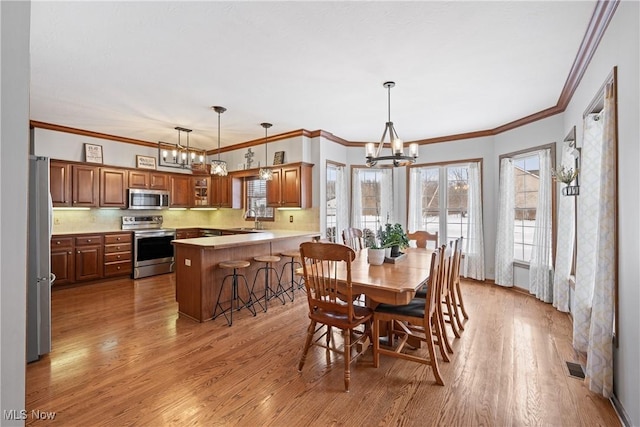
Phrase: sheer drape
(473, 264)
(415, 221)
(356, 199)
(342, 202)
(596, 262)
(565, 240)
(504, 235)
(385, 198)
(540, 267)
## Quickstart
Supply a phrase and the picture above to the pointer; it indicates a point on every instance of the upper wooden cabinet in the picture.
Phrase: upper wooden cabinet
(201, 191)
(150, 180)
(180, 196)
(226, 191)
(290, 186)
(73, 185)
(113, 188)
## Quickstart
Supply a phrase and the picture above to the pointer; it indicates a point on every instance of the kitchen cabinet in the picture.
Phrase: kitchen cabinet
(148, 180)
(88, 257)
(113, 188)
(290, 186)
(201, 191)
(63, 260)
(180, 191)
(117, 254)
(187, 233)
(73, 185)
(226, 191)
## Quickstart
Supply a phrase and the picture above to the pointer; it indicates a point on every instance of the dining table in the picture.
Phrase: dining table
(390, 283)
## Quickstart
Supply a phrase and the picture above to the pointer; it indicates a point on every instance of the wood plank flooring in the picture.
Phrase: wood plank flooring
(122, 356)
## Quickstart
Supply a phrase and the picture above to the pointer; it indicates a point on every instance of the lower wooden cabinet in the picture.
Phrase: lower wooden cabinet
(63, 260)
(89, 264)
(117, 254)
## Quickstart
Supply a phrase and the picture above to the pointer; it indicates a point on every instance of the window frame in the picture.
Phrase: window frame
(245, 198)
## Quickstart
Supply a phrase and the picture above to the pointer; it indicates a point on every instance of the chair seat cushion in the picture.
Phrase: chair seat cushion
(415, 308)
(422, 292)
(341, 320)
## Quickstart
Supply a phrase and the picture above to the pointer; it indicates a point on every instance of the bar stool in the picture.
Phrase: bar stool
(293, 254)
(235, 297)
(268, 292)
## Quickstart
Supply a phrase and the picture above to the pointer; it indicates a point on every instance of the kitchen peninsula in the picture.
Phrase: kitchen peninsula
(198, 278)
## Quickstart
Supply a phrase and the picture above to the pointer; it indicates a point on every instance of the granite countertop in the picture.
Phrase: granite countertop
(263, 236)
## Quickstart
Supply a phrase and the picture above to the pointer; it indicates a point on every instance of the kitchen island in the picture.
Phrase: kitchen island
(198, 277)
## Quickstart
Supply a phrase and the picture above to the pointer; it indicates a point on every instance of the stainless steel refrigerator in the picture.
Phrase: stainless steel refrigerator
(39, 277)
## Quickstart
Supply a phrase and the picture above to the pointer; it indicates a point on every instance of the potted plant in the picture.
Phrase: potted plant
(394, 237)
(375, 252)
(565, 175)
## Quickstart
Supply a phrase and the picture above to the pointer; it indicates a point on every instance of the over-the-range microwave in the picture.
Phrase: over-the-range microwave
(148, 199)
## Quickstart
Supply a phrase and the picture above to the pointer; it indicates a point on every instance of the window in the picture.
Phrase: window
(256, 200)
(433, 187)
(336, 203)
(371, 197)
(526, 176)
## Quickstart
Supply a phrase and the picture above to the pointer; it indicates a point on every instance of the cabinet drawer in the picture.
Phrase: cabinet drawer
(123, 247)
(61, 242)
(116, 257)
(117, 238)
(89, 240)
(117, 269)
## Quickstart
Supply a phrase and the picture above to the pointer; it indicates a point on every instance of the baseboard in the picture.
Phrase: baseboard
(622, 414)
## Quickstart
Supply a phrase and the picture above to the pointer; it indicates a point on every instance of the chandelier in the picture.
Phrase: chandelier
(397, 157)
(218, 167)
(265, 173)
(180, 155)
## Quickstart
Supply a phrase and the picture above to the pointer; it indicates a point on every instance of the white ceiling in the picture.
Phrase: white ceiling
(138, 69)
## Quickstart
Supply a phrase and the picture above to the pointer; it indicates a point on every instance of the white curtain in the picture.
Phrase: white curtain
(540, 267)
(473, 265)
(504, 235)
(385, 198)
(356, 199)
(414, 222)
(342, 203)
(596, 258)
(565, 239)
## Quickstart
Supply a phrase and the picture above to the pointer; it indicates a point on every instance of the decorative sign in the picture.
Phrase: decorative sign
(249, 157)
(92, 153)
(145, 162)
(278, 158)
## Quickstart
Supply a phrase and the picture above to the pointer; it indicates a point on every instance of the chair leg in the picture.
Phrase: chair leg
(443, 331)
(432, 354)
(461, 302)
(347, 358)
(376, 342)
(451, 314)
(456, 309)
(438, 332)
(307, 344)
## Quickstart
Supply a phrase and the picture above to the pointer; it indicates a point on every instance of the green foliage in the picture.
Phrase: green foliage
(370, 239)
(394, 235)
(564, 174)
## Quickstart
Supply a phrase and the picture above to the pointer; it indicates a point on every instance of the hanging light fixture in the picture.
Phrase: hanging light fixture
(265, 173)
(397, 157)
(218, 167)
(179, 155)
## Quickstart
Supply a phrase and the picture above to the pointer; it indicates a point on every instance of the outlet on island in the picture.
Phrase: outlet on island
(290, 218)
(187, 262)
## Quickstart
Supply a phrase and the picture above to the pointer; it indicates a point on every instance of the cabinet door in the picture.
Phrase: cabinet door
(60, 183)
(180, 191)
(158, 181)
(113, 188)
(274, 192)
(201, 191)
(89, 261)
(138, 179)
(62, 260)
(85, 186)
(290, 187)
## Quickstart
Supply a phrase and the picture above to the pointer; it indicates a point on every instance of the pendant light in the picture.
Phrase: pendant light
(397, 157)
(265, 173)
(218, 167)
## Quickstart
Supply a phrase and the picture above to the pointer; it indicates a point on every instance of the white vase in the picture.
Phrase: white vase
(375, 256)
(387, 252)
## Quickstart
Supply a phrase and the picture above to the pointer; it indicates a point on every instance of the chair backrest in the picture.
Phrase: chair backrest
(422, 237)
(352, 237)
(433, 289)
(321, 263)
(446, 267)
(457, 258)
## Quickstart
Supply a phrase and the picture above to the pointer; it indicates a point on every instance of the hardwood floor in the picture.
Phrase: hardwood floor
(122, 356)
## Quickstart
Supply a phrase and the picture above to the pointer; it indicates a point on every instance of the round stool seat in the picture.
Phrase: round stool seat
(267, 258)
(292, 254)
(234, 264)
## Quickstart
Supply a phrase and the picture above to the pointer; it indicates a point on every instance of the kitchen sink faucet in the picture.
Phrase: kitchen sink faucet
(255, 217)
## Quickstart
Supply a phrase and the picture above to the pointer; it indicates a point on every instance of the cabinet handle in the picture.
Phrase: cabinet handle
(118, 239)
(58, 242)
(118, 257)
(118, 247)
(78, 251)
(118, 268)
(69, 252)
(89, 240)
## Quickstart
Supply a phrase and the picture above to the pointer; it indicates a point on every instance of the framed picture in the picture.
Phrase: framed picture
(92, 153)
(145, 162)
(278, 158)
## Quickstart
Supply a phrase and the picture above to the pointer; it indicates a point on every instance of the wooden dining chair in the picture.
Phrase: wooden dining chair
(456, 292)
(423, 237)
(448, 313)
(353, 237)
(418, 319)
(331, 303)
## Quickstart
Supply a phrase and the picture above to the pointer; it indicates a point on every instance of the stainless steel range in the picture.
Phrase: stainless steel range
(152, 248)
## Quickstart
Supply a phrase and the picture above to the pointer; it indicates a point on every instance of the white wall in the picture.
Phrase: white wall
(14, 164)
(619, 47)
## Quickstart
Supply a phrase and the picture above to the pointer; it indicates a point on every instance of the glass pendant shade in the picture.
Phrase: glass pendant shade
(218, 167)
(265, 173)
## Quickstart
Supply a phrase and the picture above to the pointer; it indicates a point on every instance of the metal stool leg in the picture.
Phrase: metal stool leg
(297, 284)
(235, 297)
